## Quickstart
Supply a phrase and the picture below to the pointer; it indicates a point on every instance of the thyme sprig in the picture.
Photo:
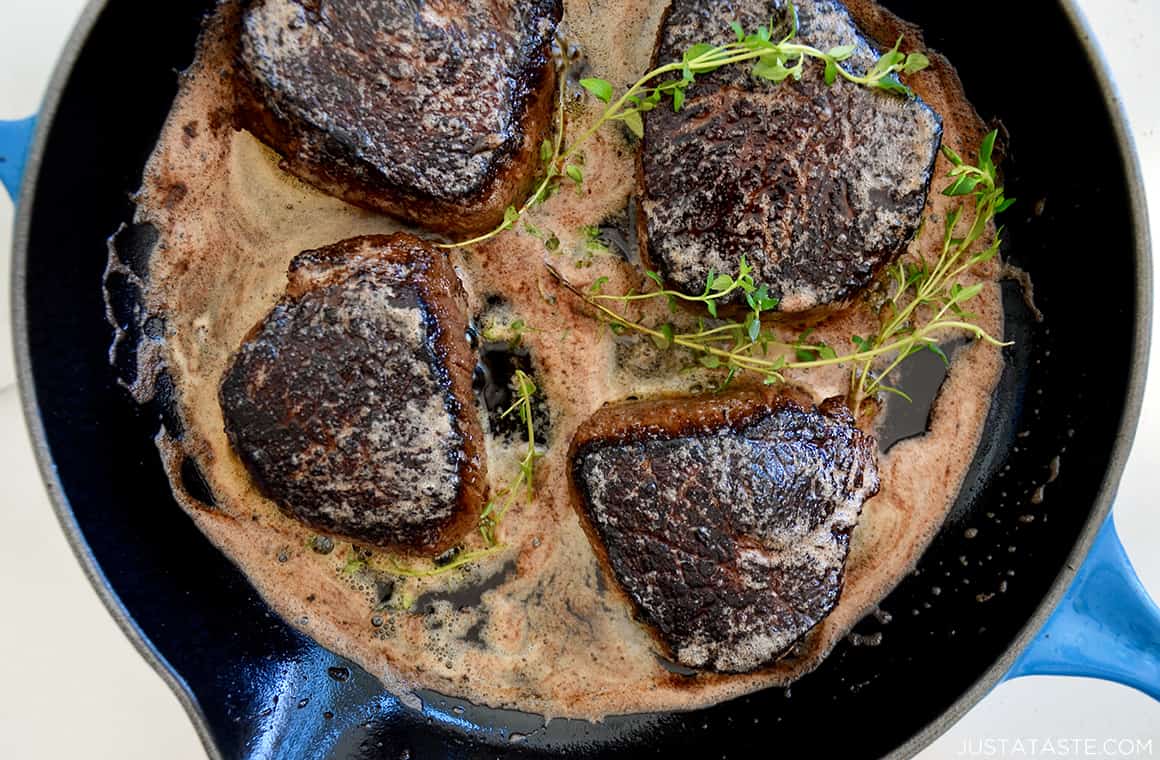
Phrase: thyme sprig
(925, 301)
(934, 289)
(718, 289)
(772, 60)
(736, 346)
(524, 481)
(491, 517)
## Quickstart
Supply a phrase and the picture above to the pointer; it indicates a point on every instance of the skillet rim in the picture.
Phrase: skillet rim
(987, 681)
(1133, 401)
(26, 385)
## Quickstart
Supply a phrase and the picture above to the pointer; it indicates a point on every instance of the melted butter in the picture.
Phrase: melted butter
(548, 636)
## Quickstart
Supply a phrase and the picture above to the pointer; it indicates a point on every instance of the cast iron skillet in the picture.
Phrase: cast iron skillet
(964, 621)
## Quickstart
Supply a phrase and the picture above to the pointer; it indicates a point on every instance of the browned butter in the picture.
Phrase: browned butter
(547, 637)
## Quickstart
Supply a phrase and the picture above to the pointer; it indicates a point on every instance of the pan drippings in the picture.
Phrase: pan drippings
(536, 627)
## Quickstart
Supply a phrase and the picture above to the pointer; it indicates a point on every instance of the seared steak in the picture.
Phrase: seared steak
(725, 520)
(429, 110)
(351, 402)
(819, 186)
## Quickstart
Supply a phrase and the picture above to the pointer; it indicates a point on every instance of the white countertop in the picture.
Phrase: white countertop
(73, 686)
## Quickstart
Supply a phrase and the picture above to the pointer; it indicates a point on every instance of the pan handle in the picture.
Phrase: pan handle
(1105, 627)
(15, 138)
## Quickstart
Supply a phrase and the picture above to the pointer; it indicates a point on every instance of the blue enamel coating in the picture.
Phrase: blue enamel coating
(1105, 627)
(15, 137)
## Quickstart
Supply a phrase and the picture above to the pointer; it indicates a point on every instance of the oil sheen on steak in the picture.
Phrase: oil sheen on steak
(726, 520)
(429, 110)
(351, 403)
(818, 186)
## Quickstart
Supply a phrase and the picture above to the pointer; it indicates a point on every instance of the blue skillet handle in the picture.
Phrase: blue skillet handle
(15, 138)
(1106, 627)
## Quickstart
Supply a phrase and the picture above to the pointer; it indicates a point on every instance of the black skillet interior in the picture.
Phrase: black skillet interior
(265, 690)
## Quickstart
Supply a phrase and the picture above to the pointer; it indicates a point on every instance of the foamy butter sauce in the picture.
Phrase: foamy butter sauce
(550, 637)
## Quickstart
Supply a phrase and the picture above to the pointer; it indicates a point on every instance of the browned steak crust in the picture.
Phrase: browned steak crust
(726, 520)
(819, 186)
(351, 402)
(429, 110)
